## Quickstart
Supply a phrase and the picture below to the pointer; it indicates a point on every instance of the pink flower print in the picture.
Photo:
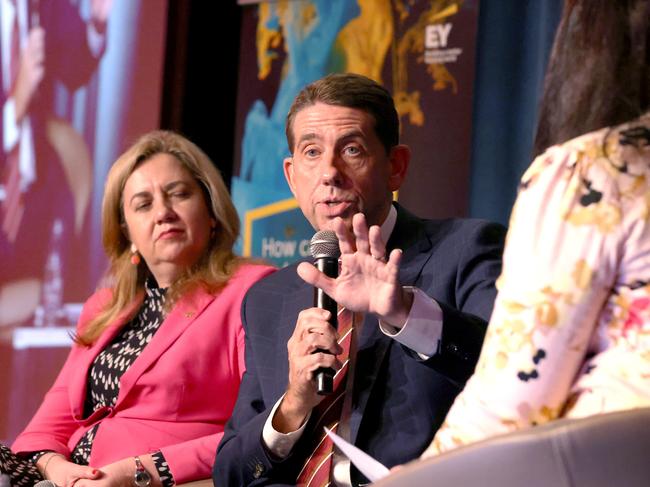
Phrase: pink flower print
(635, 314)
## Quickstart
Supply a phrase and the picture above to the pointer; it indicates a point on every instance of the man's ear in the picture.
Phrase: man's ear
(399, 158)
(287, 165)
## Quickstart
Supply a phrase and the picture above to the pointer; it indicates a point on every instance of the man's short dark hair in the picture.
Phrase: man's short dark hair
(351, 91)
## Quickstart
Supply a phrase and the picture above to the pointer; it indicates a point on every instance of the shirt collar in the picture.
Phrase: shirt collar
(389, 224)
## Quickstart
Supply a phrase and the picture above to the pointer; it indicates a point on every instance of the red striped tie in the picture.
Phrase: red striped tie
(316, 471)
(12, 205)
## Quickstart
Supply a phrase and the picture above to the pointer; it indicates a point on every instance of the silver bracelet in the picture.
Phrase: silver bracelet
(47, 462)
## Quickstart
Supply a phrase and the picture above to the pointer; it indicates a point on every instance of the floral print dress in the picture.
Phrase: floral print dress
(570, 331)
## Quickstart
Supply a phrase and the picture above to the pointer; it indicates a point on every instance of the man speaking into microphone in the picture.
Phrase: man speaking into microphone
(413, 299)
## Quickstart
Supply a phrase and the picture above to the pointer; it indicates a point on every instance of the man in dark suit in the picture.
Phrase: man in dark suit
(424, 297)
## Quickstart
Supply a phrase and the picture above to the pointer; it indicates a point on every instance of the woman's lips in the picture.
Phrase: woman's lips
(170, 234)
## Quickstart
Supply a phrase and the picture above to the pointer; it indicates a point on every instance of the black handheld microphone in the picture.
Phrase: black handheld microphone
(324, 248)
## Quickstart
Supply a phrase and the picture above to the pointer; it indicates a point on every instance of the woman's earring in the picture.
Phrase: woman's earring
(135, 256)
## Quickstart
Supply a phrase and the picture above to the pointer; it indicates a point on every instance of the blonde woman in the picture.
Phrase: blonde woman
(155, 369)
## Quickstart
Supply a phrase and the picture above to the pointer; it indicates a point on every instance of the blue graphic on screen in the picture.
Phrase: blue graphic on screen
(309, 46)
(283, 237)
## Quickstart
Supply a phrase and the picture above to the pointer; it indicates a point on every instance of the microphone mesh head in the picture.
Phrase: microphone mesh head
(45, 483)
(324, 244)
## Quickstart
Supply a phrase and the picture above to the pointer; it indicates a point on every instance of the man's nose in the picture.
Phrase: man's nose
(331, 170)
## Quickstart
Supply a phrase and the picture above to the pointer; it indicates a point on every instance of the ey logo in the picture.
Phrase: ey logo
(436, 35)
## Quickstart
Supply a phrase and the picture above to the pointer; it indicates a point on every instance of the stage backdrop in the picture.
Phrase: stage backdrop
(101, 88)
(421, 50)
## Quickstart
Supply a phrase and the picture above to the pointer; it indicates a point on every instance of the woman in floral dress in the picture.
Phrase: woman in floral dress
(570, 331)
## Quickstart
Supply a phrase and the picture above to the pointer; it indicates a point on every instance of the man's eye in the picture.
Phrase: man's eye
(352, 150)
(311, 152)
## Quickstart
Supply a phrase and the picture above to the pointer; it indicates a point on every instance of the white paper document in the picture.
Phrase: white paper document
(368, 466)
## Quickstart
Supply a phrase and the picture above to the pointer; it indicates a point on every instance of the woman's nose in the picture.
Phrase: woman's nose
(164, 212)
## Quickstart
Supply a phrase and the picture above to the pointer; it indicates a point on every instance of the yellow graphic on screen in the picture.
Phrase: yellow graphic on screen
(365, 40)
(363, 43)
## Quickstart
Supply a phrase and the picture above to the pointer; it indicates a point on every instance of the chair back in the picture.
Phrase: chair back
(600, 451)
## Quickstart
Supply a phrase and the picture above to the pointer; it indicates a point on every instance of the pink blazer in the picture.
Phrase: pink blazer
(176, 397)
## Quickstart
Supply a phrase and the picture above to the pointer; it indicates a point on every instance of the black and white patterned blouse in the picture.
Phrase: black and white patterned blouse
(111, 363)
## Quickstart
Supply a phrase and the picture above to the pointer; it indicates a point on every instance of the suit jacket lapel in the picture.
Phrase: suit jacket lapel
(299, 296)
(79, 383)
(408, 235)
(182, 315)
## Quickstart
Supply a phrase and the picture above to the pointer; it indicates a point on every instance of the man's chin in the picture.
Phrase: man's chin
(328, 223)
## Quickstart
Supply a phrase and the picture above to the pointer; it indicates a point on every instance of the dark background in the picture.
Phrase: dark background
(200, 78)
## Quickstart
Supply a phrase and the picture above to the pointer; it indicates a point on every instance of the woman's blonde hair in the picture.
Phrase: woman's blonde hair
(214, 267)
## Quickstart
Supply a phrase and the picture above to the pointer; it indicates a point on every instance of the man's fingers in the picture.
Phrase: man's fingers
(313, 331)
(377, 245)
(316, 278)
(314, 313)
(395, 257)
(360, 229)
(324, 343)
(319, 360)
(346, 239)
(315, 327)
(305, 367)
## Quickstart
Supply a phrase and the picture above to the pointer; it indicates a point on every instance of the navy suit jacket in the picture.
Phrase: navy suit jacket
(399, 400)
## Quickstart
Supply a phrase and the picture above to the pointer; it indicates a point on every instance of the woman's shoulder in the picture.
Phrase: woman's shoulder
(252, 271)
(609, 141)
(608, 153)
(241, 280)
(97, 301)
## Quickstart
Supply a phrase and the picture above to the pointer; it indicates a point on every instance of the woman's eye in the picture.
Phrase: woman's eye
(142, 206)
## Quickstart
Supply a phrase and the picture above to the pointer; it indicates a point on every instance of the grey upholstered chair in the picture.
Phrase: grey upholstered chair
(608, 450)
